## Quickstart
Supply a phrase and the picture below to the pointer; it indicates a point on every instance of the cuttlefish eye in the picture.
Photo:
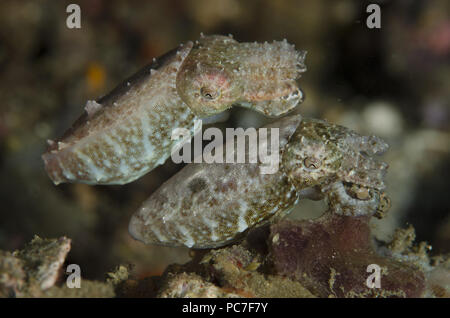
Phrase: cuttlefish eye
(208, 90)
(209, 93)
(312, 162)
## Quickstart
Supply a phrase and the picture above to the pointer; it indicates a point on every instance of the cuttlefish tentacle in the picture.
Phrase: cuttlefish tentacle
(322, 152)
(220, 72)
(356, 200)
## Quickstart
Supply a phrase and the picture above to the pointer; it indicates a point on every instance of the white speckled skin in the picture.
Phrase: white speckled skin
(129, 134)
(340, 165)
(344, 199)
(125, 134)
(210, 205)
(260, 76)
(322, 152)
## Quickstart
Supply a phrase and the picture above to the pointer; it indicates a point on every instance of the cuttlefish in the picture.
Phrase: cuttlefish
(208, 205)
(127, 133)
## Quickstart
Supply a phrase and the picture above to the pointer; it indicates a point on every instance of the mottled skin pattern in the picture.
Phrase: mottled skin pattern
(333, 161)
(209, 205)
(125, 134)
(321, 152)
(220, 72)
(129, 134)
(353, 199)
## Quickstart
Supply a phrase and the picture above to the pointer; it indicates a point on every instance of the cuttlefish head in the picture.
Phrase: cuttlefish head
(323, 159)
(221, 72)
(322, 153)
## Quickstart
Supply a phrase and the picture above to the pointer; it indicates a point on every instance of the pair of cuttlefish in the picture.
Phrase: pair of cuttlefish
(127, 133)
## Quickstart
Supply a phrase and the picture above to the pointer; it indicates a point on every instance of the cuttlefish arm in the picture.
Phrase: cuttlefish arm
(325, 160)
(221, 72)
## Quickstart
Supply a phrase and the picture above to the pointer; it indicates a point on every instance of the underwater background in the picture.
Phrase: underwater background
(393, 82)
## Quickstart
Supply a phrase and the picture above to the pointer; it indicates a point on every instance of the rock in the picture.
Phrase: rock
(185, 285)
(35, 270)
(330, 256)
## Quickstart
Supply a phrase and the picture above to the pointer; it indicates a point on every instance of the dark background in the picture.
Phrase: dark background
(392, 82)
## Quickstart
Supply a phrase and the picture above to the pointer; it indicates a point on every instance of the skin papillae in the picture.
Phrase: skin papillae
(127, 133)
(210, 205)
